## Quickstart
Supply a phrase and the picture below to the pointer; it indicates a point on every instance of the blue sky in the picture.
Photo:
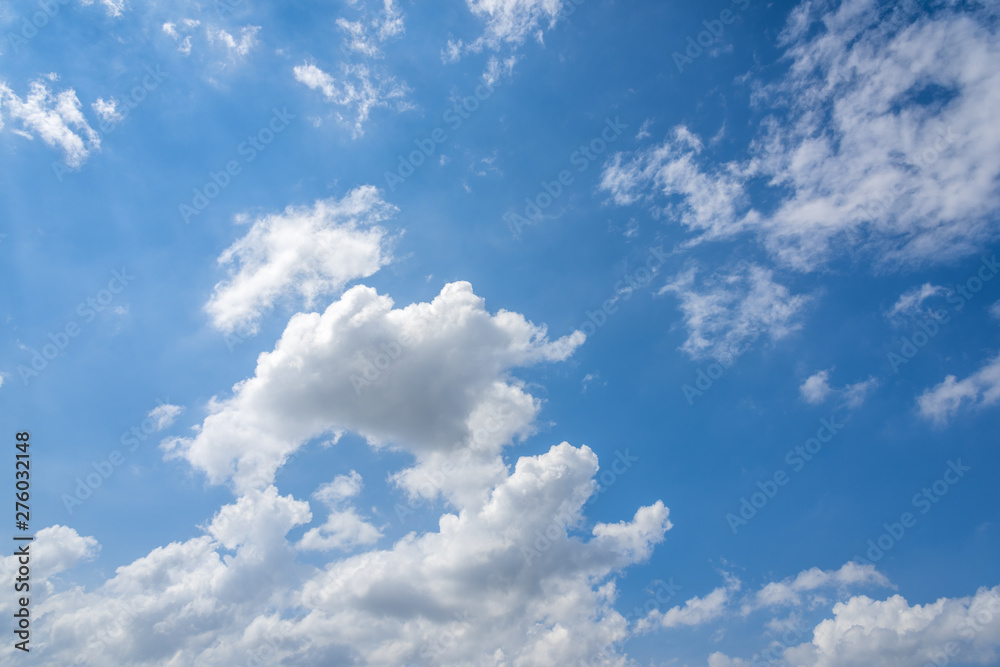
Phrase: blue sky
(502, 332)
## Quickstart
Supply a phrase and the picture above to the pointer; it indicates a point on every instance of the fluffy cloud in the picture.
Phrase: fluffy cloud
(366, 35)
(816, 387)
(980, 389)
(164, 415)
(310, 252)
(732, 310)
(427, 378)
(466, 594)
(57, 119)
(872, 144)
(344, 528)
(895, 634)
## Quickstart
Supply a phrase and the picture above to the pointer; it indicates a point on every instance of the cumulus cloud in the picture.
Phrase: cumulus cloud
(56, 118)
(465, 594)
(344, 527)
(980, 389)
(359, 88)
(426, 378)
(870, 144)
(307, 252)
(893, 633)
(181, 33)
(731, 310)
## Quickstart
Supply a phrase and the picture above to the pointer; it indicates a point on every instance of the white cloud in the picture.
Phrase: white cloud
(344, 528)
(980, 389)
(465, 594)
(306, 252)
(911, 302)
(237, 48)
(870, 144)
(512, 21)
(733, 310)
(695, 611)
(790, 591)
(182, 34)
(112, 7)
(895, 634)
(164, 415)
(431, 378)
(816, 387)
(720, 659)
(360, 88)
(107, 110)
(708, 203)
(366, 35)
(57, 119)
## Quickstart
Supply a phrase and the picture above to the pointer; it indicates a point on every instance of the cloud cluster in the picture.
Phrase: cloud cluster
(871, 145)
